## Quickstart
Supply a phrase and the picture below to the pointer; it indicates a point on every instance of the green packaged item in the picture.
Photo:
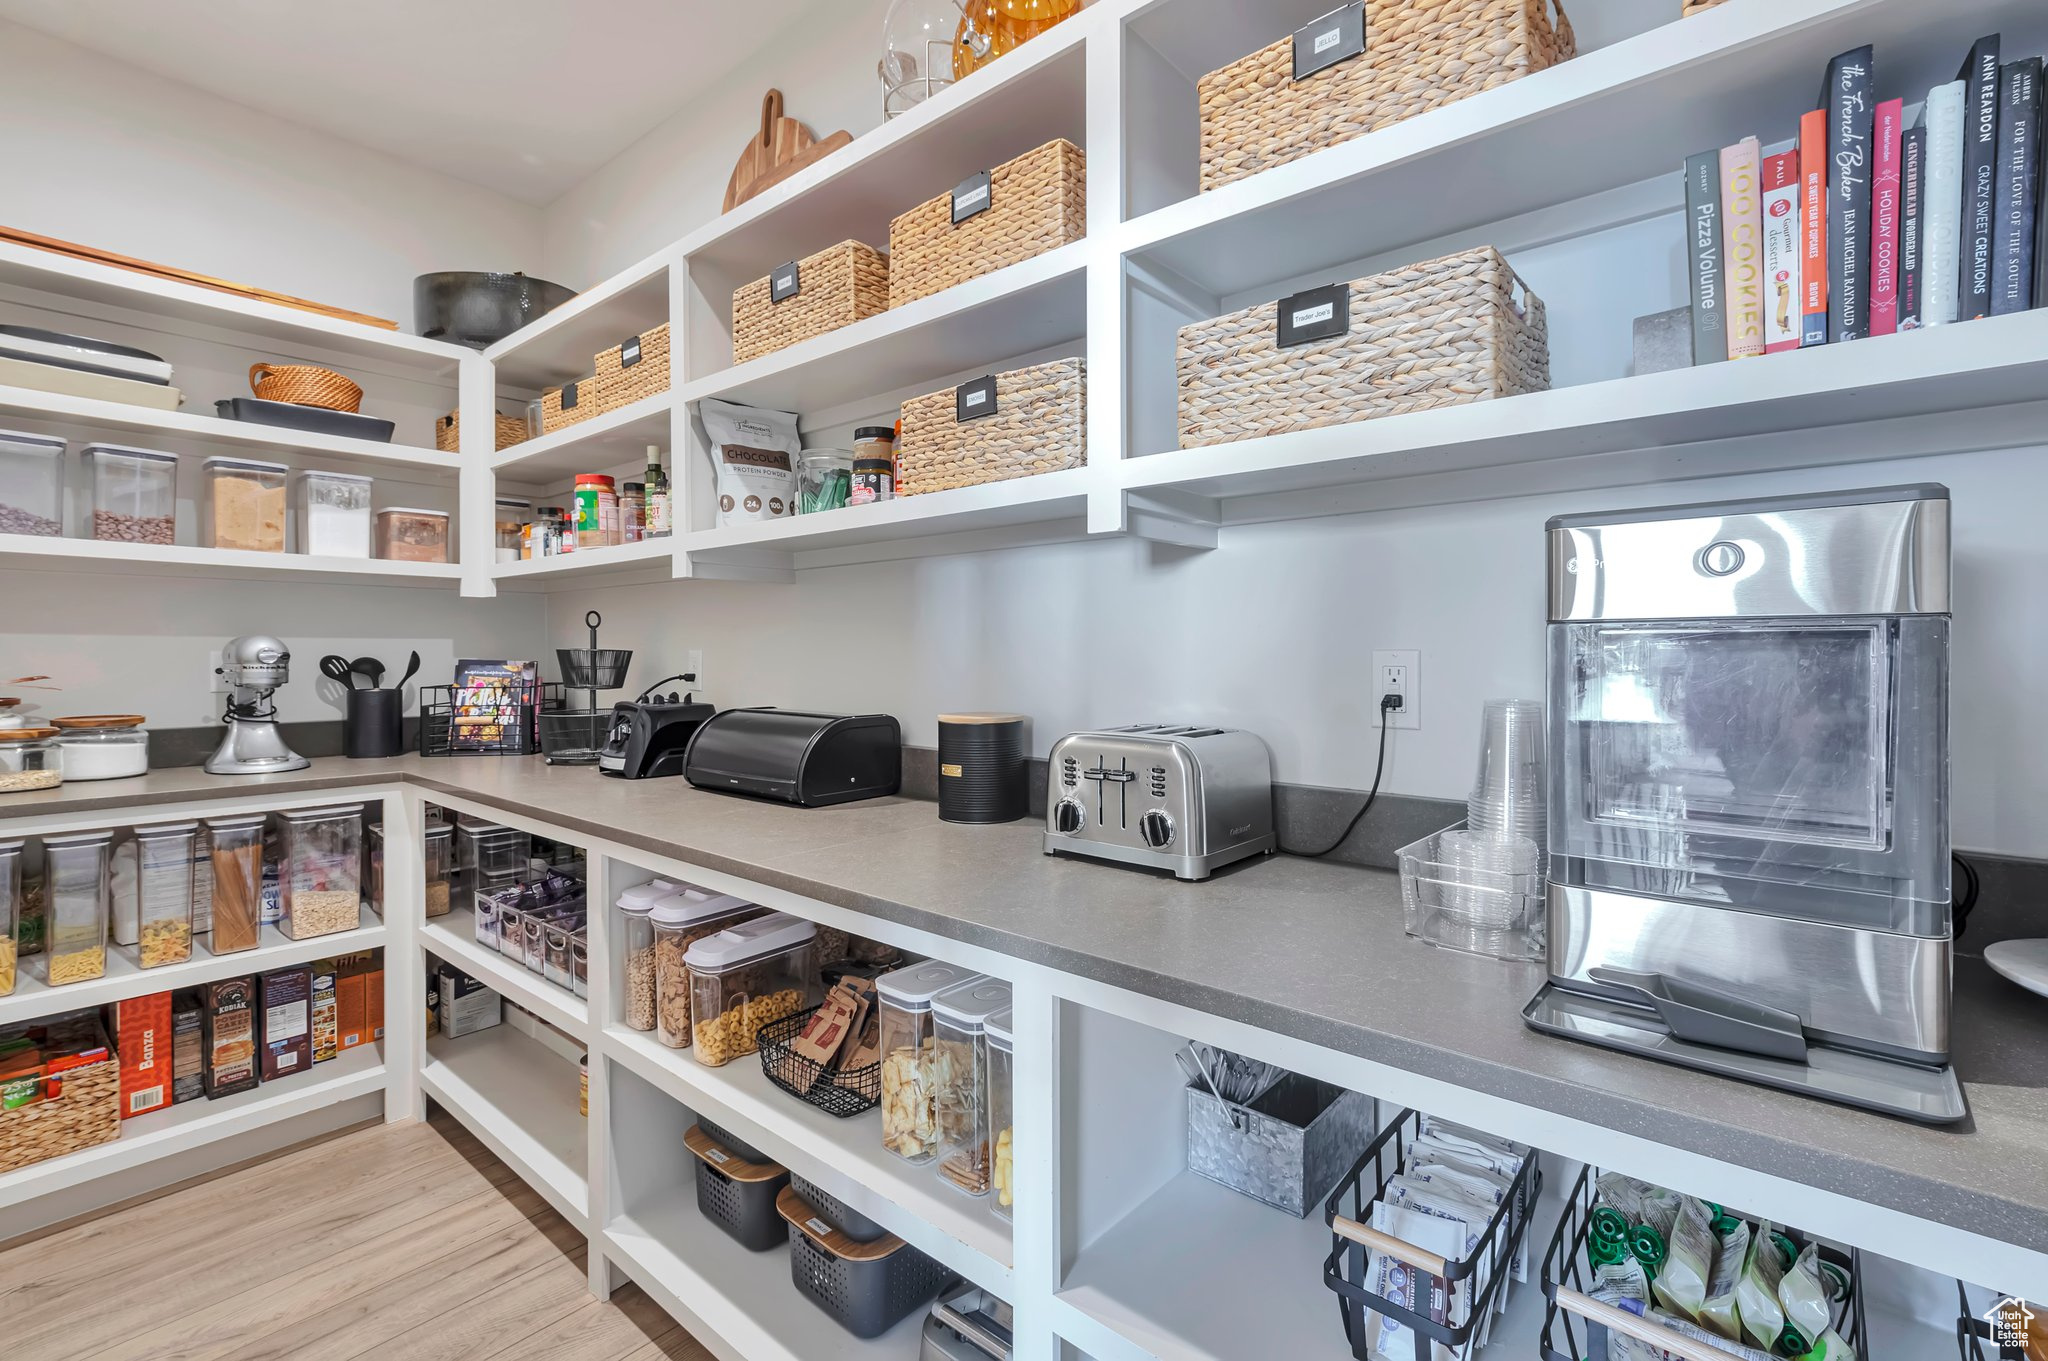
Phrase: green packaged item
(1756, 1294)
(1719, 1311)
(1805, 1297)
(1681, 1283)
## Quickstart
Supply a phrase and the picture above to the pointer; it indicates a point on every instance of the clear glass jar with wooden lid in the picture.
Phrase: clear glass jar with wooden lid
(29, 759)
(102, 746)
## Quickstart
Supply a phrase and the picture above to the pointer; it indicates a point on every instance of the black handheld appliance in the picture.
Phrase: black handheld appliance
(802, 758)
(650, 736)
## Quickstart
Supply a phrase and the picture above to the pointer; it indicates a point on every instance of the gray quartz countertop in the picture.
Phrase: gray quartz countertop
(1299, 947)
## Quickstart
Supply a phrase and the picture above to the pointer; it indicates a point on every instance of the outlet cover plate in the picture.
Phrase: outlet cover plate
(1398, 672)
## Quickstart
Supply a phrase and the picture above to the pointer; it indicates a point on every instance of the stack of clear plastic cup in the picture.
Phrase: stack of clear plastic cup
(1508, 796)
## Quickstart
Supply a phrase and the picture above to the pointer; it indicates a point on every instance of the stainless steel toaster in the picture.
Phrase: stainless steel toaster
(1180, 798)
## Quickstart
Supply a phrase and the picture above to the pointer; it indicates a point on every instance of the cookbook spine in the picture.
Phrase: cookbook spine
(1851, 116)
(1884, 218)
(1941, 229)
(1980, 178)
(1782, 247)
(2019, 176)
(1703, 244)
(1912, 233)
(1742, 205)
(1813, 228)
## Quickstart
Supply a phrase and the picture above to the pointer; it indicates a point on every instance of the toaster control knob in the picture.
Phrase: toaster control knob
(1068, 816)
(1157, 829)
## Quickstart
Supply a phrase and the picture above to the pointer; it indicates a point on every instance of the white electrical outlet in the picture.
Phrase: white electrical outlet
(1397, 673)
(693, 663)
(215, 681)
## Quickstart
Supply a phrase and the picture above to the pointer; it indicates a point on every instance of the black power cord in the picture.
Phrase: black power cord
(1960, 913)
(1388, 704)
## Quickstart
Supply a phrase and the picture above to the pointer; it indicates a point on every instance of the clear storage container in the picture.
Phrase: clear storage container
(636, 943)
(678, 920)
(29, 759)
(134, 494)
(1001, 1061)
(78, 897)
(491, 849)
(437, 852)
(103, 753)
(960, 1082)
(245, 504)
(163, 897)
(236, 860)
(10, 914)
(405, 534)
(488, 909)
(320, 881)
(579, 962)
(557, 968)
(743, 978)
(334, 515)
(513, 515)
(909, 1124)
(31, 485)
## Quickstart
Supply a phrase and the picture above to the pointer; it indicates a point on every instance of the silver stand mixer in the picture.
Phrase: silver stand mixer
(254, 666)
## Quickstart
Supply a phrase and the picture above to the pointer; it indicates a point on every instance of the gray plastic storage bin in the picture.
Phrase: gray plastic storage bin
(733, 1143)
(836, 1213)
(868, 1288)
(737, 1195)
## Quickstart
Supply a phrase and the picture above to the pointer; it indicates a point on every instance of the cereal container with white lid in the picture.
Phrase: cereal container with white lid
(744, 977)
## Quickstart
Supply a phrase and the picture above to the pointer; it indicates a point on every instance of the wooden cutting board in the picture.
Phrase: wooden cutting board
(782, 147)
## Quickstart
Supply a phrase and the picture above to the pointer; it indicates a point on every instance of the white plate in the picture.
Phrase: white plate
(2025, 962)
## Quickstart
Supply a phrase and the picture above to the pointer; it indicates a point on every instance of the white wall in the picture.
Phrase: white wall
(1274, 631)
(112, 156)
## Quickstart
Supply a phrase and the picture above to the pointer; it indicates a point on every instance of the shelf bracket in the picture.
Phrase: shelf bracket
(1163, 515)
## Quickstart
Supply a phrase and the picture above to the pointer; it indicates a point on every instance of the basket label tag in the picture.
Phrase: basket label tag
(818, 1227)
(629, 352)
(784, 281)
(716, 1155)
(970, 196)
(568, 396)
(1337, 36)
(1317, 314)
(972, 401)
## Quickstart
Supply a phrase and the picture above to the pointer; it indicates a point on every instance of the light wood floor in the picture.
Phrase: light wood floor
(402, 1241)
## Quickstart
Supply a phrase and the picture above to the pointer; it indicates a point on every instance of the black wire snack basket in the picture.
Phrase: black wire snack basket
(836, 1091)
(574, 737)
(482, 715)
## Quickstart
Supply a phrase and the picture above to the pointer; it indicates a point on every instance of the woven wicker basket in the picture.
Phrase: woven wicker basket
(1419, 55)
(448, 431)
(1036, 204)
(1040, 426)
(836, 287)
(620, 383)
(1693, 7)
(305, 385)
(1441, 333)
(562, 407)
(87, 1112)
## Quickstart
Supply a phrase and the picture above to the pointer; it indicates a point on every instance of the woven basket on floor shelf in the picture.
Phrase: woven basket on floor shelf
(1418, 57)
(511, 430)
(1693, 7)
(620, 382)
(835, 287)
(1036, 203)
(304, 385)
(87, 1111)
(1040, 426)
(562, 407)
(1459, 329)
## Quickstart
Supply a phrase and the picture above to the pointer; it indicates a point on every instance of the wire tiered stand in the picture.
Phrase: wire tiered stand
(574, 737)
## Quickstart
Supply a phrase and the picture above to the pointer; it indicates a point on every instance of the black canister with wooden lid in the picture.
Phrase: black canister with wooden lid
(982, 775)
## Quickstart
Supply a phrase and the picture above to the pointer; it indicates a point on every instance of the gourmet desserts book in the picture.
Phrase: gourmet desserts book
(1783, 244)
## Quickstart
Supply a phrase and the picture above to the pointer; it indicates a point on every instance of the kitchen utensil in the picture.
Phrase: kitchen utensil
(412, 668)
(1192, 1069)
(1750, 801)
(780, 149)
(1162, 796)
(255, 666)
(966, 1323)
(305, 385)
(369, 667)
(478, 309)
(2025, 962)
(338, 670)
(83, 354)
(105, 257)
(807, 759)
(291, 416)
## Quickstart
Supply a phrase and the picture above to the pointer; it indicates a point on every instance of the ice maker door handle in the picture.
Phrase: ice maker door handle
(1707, 1015)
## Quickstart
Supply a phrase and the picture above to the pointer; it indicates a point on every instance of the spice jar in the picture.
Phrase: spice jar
(632, 512)
(10, 913)
(29, 759)
(909, 1126)
(874, 465)
(245, 504)
(109, 749)
(334, 515)
(513, 513)
(823, 476)
(597, 511)
(1001, 1064)
(405, 534)
(438, 856)
(237, 864)
(959, 1080)
(78, 891)
(320, 881)
(134, 494)
(163, 898)
(745, 977)
(681, 919)
(31, 485)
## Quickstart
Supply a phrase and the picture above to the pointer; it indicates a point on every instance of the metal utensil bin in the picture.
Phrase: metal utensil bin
(1285, 1149)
